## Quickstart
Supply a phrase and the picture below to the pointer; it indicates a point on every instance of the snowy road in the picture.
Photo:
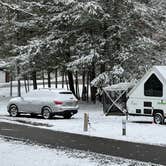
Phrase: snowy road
(142, 152)
(19, 153)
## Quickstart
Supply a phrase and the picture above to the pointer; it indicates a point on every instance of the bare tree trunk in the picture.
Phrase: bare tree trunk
(69, 73)
(71, 81)
(28, 78)
(34, 80)
(63, 79)
(77, 86)
(19, 88)
(49, 78)
(19, 83)
(93, 89)
(43, 79)
(87, 83)
(25, 85)
(11, 85)
(84, 91)
(56, 78)
(67, 85)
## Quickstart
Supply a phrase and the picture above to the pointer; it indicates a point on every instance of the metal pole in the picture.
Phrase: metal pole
(123, 127)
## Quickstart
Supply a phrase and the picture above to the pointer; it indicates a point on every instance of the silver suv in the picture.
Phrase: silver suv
(45, 102)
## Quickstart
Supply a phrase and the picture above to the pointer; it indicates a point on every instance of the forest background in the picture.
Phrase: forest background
(87, 42)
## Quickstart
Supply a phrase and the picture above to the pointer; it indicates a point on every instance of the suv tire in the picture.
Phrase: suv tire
(158, 118)
(46, 113)
(13, 110)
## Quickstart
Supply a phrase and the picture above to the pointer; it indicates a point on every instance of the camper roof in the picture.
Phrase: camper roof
(159, 70)
(119, 87)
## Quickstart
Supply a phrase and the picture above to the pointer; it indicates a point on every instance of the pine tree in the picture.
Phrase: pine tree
(114, 40)
(129, 36)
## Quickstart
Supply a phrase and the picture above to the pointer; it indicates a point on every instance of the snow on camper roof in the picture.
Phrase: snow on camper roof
(119, 87)
(161, 70)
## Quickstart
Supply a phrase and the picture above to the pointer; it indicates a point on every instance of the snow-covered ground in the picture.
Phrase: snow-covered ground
(139, 129)
(17, 153)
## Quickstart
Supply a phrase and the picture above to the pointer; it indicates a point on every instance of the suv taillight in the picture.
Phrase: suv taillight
(58, 102)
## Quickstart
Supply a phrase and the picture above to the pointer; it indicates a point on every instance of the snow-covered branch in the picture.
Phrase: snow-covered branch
(15, 7)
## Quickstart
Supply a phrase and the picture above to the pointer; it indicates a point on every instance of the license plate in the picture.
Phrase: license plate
(70, 104)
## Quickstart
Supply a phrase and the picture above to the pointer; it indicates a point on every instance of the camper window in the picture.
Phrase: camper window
(153, 87)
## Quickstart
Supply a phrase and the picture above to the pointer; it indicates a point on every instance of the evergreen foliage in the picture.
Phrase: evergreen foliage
(112, 40)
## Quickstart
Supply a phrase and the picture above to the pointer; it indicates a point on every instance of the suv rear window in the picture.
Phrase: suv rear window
(65, 93)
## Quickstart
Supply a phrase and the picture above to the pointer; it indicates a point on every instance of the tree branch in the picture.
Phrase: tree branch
(15, 8)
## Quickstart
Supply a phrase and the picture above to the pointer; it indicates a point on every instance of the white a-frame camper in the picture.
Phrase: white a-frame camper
(148, 97)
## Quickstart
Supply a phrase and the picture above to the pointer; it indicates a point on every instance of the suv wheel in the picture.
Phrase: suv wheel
(46, 113)
(158, 118)
(13, 111)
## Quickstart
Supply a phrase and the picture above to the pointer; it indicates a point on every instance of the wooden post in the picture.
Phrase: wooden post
(86, 119)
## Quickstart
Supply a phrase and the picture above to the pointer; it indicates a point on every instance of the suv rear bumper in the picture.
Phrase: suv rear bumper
(62, 113)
